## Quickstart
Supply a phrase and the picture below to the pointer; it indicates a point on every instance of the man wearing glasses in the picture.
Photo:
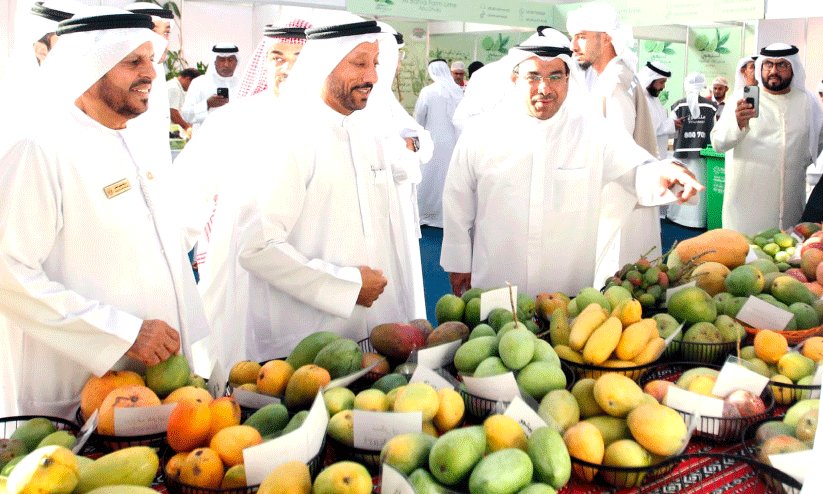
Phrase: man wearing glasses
(522, 199)
(769, 145)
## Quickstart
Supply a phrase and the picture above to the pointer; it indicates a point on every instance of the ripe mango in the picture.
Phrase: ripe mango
(549, 456)
(589, 319)
(635, 338)
(244, 372)
(567, 353)
(559, 329)
(52, 469)
(455, 453)
(304, 384)
(136, 465)
(603, 341)
(372, 400)
(338, 399)
(343, 476)
(289, 478)
(617, 394)
(451, 410)
(341, 427)
(658, 428)
(585, 442)
(651, 352)
(396, 339)
(407, 452)
(625, 453)
(501, 472)
(418, 396)
(559, 407)
(628, 311)
(711, 277)
(447, 332)
(308, 348)
(503, 432)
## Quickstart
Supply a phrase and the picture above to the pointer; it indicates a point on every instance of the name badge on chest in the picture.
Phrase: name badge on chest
(117, 188)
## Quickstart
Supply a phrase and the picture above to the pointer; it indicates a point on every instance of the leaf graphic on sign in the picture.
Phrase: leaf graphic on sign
(723, 50)
(669, 51)
(724, 38)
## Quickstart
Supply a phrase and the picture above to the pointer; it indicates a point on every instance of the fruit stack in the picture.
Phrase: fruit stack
(791, 373)
(794, 431)
(467, 309)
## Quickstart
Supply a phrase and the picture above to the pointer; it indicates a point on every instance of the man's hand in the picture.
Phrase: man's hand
(461, 282)
(155, 342)
(678, 123)
(216, 101)
(744, 112)
(674, 175)
(410, 144)
(373, 285)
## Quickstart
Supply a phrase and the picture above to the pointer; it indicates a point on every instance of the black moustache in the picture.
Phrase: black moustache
(368, 85)
(141, 82)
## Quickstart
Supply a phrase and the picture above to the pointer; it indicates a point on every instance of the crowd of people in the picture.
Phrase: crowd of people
(305, 184)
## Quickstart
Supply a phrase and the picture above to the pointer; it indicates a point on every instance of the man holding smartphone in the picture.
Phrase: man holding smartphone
(770, 141)
(215, 88)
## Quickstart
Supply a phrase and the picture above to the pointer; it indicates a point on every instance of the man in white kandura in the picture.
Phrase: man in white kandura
(772, 146)
(523, 193)
(205, 93)
(601, 43)
(434, 110)
(653, 77)
(329, 234)
(93, 274)
(744, 74)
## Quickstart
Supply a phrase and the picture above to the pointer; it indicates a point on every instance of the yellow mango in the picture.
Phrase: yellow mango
(603, 341)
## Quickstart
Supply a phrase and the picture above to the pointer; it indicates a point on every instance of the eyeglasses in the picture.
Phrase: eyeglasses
(782, 66)
(553, 79)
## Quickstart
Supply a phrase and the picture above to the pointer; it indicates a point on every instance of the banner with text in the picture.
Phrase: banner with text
(673, 56)
(636, 12)
(412, 76)
(714, 52)
(499, 12)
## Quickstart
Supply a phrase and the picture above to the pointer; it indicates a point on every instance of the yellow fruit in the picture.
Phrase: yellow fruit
(451, 410)
(189, 393)
(304, 384)
(589, 319)
(635, 338)
(418, 397)
(341, 427)
(602, 342)
(658, 428)
(273, 377)
(230, 442)
(616, 394)
(97, 388)
(770, 345)
(234, 478)
(224, 412)
(503, 432)
(125, 397)
(629, 312)
(567, 353)
(175, 462)
(48, 470)
(584, 442)
(289, 478)
(344, 477)
(813, 348)
(189, 425)
(244, 372)
(430, 429)
(651, 352)
(202, 468)
(711, 277)
(372, 400)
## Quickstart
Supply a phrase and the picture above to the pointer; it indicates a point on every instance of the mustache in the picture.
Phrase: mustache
(141, 82)
(367, 85)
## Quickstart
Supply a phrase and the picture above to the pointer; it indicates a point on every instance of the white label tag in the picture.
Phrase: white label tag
(372, 430)
(252, 400)
(735, 376)
(217, 381)
(672, 291)
(438, 356)
(795, 464)
(85, 432)
(428, 376)
(140, 421)
(763, 315)
(301, 444)
(672, 336)
(394, 482)
(497, 388)
(751, 256)
(816, 381)
(525, 415)
(689, 402)
(797, 238)
(496, 299)
(342, 382)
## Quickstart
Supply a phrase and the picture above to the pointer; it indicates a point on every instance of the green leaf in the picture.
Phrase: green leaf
(666, 45)
(724, 38)
(669, 51)
(717, 34)
(723, 50)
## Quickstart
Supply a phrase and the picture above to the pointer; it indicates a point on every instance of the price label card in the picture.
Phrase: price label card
(394, 482)
(497, 388)
(373, 429)
(85, 432)
(252, 400)
(669, 339)
(735, 375)
(430, 377)
(763, 315)
(671, 291)
(816, 381)
(689, 402)
(751, 256)
(142, 420)
(438, 356)
(525, 415)
(217, 381)
(342, 382)
(795, 464)
(315, 425)
(497, 299)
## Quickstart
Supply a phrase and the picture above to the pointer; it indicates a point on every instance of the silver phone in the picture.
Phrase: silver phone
(752, 96)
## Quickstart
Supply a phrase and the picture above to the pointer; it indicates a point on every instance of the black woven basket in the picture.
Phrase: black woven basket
(10, 424)
(715, 428)
(583, 371)
(706, 353)
(372, 377)
(369, 458)
(788, 394)
(623, 477)
(113, 443)
(481, 408)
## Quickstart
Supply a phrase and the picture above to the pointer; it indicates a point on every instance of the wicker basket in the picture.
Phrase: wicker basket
(704, 353)
(583, 371)
(113, 443)
(623, 477)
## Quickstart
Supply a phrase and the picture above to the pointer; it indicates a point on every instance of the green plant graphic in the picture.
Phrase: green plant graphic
(709, 43)
(499, 45)
(652, 46)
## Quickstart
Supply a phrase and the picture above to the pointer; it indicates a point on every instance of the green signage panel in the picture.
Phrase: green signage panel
(657, 13)
(500, 12)
(715, 52)
(673, 56)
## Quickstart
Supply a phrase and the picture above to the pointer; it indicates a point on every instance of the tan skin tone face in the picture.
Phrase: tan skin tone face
(225, 66)
(588, 47)
(748, 74)
(719, 92)
(459, 76)
(348, 87)
(656, 86)
(544, 98)
(123, 93)
(777, 78)
(279, 62)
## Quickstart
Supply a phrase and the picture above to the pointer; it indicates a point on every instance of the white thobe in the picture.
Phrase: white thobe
(522, 200)
(195, 106)
(663, 125)
(432, 111)
(155, 122)
(176, 93)
(329, 206)
(766, 172)
(617, 95)
(79, 270)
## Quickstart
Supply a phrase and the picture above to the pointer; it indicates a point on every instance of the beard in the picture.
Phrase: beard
(584, 64)
(779, 85)
(346, 98)
(119, 102)
(653, 91)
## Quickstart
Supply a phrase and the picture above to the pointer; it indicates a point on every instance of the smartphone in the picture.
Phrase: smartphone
(223, 91)
(752, 95)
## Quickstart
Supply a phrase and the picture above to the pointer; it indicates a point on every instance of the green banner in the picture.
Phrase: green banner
(655, 12)
(412, 76)
(714, 52)
(500, 12)
(673, 56)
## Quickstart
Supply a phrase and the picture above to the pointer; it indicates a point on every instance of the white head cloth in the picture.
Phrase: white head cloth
(692, 85)
(813, 111)
(441, 75)
(255, 78)
(458, 65)
(81, 58)
(211, 71)
(651, 72)
(319, 58)
(603, 18)
(156, 12)
(739, 80)
(491, 85)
